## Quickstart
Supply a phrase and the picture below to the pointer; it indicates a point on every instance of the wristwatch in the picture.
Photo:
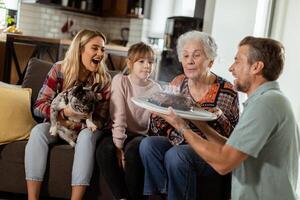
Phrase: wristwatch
(183, 129)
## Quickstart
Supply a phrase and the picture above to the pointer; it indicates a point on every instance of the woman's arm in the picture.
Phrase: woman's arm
(51, 87)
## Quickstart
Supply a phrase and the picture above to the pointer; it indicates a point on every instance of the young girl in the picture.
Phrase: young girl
(118, 152)
(83, 62)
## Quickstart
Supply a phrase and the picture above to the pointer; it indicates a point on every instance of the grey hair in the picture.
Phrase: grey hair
(209, 44)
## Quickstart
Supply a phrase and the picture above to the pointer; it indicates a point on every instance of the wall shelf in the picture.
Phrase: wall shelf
(107, 8)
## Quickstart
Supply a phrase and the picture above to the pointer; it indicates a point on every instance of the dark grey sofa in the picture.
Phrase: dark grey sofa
(58, 176)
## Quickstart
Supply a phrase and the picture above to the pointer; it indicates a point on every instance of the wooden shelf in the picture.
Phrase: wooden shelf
(108, 9)
(70, 9)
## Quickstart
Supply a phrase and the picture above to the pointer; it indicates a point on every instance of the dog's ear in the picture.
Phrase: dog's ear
(78, 89)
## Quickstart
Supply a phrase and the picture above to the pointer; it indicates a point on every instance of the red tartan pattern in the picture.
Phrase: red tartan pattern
(53, 85)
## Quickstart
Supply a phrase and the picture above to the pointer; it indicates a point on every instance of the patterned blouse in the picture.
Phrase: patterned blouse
(53, 85)
(221, 95)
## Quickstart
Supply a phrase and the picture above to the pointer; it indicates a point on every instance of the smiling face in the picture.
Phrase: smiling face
(93, 53)
(194, 60)
(241, 70)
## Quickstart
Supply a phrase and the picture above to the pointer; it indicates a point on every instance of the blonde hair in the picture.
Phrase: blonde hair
(72, 61)
(137, 51)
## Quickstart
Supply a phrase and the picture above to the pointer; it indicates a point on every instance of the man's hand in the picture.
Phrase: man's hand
(173, 119)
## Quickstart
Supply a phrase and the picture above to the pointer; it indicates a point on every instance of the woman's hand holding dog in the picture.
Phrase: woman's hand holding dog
(69, 112)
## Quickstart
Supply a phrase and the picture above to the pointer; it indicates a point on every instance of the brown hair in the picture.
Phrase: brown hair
(137, 51)
(268, 51)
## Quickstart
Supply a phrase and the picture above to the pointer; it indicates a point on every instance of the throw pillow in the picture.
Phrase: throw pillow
(16, 120)
(35, 75)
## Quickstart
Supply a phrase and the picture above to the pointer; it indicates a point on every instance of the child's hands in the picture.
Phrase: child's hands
(121, 158)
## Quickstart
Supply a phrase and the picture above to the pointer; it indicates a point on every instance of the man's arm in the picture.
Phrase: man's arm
(222, 157)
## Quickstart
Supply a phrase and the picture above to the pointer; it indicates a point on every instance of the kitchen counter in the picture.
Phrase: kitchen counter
(110, 48)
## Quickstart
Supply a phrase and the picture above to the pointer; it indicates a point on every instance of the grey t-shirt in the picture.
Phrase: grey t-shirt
(268, 133)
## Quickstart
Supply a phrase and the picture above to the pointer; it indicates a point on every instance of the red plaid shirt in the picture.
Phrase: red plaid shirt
(53, 85)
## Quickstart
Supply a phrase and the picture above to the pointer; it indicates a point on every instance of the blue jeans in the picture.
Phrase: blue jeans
(172, 169)
(36, 153)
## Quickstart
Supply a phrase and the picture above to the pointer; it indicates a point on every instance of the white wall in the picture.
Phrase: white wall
(184, 8)
(162, 9)
(232, 21)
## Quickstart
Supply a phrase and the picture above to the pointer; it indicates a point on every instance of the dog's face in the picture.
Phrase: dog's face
(82, 99)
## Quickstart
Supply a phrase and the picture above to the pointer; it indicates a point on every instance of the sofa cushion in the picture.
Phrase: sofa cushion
(15, 116)
(13, 152)
(35, 75)
(7, 85)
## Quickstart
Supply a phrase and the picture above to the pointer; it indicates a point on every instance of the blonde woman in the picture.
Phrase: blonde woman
(83, 62)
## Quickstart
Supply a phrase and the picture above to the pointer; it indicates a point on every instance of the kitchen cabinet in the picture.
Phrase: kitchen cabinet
(89, 7)
(104, 8)
(115, 8)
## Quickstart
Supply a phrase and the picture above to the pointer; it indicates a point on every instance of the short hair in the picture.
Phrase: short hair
(209, 44)
(268, 51)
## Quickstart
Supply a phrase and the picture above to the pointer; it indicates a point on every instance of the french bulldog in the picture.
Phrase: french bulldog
(82, 101)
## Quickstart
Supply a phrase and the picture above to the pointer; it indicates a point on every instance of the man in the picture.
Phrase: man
(263, 149)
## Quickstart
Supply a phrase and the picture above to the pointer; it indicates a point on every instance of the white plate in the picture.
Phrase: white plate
(199, 114)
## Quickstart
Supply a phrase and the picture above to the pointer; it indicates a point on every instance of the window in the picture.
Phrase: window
(263, 19)
(3, 12)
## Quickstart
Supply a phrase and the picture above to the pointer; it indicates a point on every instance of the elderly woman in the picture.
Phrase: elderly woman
(171, 168)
